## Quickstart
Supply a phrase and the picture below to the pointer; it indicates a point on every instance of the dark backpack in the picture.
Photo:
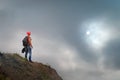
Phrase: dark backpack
(25, 41)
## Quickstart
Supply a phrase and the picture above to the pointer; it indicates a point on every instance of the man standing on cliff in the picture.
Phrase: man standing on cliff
(27, 43)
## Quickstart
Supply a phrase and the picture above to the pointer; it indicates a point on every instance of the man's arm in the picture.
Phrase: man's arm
(30, 41)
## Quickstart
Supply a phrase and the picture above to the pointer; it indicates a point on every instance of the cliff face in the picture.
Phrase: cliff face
(14, 67)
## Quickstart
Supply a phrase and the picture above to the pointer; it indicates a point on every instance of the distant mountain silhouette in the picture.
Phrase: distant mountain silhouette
(14, 67)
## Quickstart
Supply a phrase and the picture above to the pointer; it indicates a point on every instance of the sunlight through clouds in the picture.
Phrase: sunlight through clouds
(96, 33)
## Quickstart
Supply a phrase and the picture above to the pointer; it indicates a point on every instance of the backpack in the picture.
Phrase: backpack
(25, 41)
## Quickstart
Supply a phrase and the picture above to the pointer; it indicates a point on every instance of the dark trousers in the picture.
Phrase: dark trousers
(28, 50)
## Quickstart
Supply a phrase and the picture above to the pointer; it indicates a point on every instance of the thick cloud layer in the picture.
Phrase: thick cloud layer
(78, 38)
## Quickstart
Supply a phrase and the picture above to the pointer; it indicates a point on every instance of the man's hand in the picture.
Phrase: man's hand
(31, 46)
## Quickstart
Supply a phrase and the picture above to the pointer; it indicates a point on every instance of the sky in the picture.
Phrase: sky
(78, 38)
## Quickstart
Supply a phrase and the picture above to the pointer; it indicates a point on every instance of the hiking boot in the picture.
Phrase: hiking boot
(25, 59)
(31, 61)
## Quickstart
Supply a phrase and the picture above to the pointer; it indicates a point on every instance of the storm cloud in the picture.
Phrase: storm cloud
(79, 38)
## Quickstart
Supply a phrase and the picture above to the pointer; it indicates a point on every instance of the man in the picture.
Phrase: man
(28, 47)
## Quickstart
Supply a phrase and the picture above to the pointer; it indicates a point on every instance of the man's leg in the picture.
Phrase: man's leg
(30, 54)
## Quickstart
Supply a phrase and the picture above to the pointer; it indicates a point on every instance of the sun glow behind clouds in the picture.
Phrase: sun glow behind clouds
(96, 34)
